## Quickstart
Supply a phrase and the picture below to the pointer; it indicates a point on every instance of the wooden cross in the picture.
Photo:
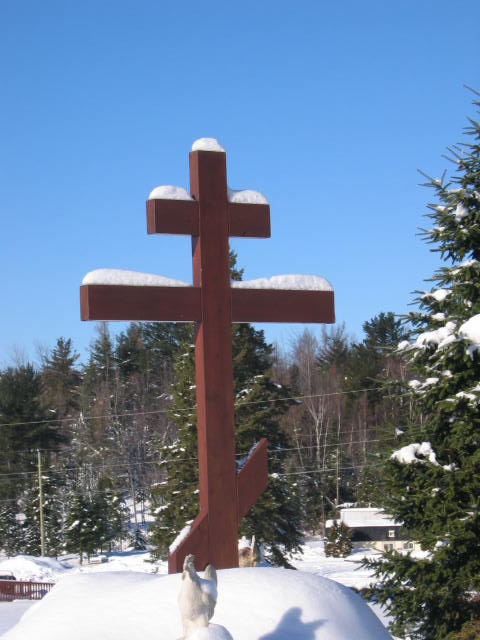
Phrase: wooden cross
(211, 303)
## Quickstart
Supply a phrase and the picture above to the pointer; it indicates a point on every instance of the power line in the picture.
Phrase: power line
(194, 408)
(294, 438)
(105, 466)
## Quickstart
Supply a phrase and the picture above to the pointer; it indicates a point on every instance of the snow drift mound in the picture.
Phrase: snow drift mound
(32, 568)
(253, 604)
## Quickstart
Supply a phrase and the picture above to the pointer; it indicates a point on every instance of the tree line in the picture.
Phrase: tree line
(117, 434)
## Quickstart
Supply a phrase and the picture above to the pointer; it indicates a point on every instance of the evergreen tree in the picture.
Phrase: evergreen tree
(61, 380)
(31, 543)
(26, 427)
(176, 495)
(275, 519)
(98, 398)
(9, 528)
(334, 350)
(338, 541)
(79, 534)
(111, 509)
(434, 474)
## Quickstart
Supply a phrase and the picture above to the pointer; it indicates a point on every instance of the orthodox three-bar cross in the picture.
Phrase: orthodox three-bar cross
(211, 303)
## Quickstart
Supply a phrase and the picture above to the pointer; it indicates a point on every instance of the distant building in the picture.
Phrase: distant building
(373, 528)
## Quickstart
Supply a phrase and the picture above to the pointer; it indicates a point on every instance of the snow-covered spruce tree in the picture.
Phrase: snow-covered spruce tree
(434, 474)
(338, 541)
(10, 529)
(259, 403)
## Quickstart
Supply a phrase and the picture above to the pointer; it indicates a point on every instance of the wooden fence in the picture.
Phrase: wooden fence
(16, 590)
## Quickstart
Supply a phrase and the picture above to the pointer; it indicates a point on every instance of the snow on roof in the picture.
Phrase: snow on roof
(408, 454)
(310, 283)
(130, 278)
(207, 144)
(366, 517)
(246, 196)
(169, 192)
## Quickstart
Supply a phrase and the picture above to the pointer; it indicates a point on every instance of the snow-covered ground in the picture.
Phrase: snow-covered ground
(310, 610)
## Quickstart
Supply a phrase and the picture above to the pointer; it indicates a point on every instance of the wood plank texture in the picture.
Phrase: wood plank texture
(248, 220)
(176, 217)
(279, 305)
(149, 304)
(252, 479)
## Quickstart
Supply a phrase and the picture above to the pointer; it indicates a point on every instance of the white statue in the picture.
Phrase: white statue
(197, 598)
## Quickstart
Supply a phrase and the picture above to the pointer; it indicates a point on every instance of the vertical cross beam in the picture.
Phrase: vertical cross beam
(213, 358)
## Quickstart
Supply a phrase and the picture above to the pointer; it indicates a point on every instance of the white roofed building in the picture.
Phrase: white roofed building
(371, 527)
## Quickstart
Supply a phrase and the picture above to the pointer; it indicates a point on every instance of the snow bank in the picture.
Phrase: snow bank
(11, 613)
(169, 192)
(31, 568)
(408, 454)
(310, 283)
(253, 604)
(207, 144)
(212, 632)
(130, 278)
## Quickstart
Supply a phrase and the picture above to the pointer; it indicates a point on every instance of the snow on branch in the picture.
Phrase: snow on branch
(439, 294)
(408, 454)
(441, 337)
(470, 330)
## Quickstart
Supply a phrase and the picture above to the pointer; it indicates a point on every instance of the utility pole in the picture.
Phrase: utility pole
(40, 500)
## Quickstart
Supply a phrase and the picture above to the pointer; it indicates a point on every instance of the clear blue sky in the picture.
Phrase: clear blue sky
(327, 108)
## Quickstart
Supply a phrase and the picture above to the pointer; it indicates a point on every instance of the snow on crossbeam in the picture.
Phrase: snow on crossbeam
(169, 192)
(246, 196)
(136, 278)
(117, 294)
(130, 278)
(286, 282)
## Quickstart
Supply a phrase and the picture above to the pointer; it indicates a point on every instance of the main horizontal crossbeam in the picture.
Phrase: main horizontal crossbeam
(183, 304)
